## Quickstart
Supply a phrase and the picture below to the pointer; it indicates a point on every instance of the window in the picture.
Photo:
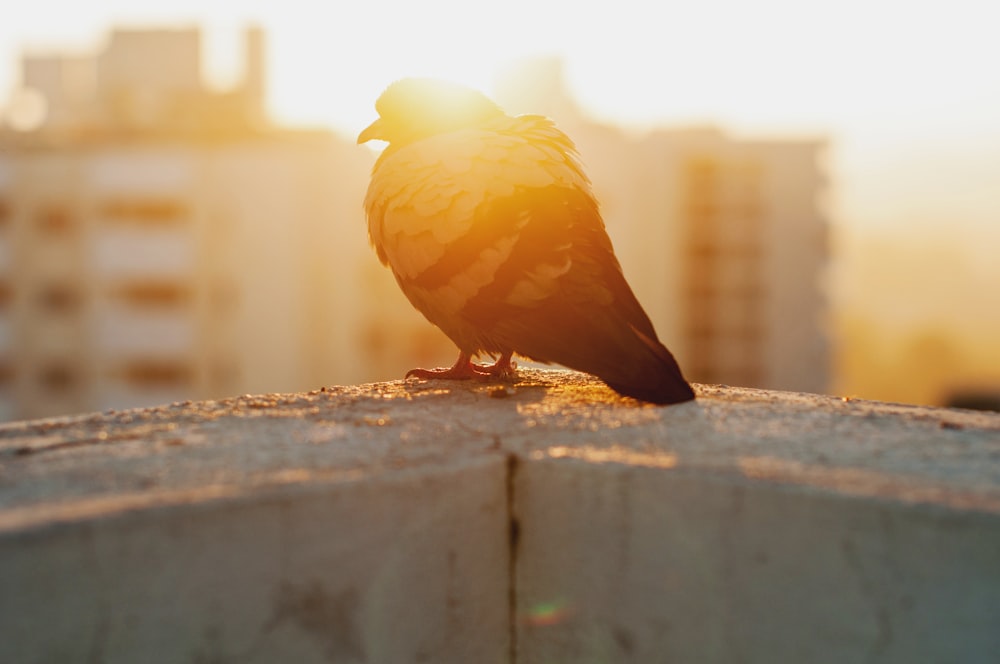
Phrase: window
(59, 298)
(58, 377)
(157, 373)
(7, 373)
(55, 220)
(153, 294)
(144, 211)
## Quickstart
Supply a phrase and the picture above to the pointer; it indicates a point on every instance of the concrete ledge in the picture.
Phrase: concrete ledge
(552, 521)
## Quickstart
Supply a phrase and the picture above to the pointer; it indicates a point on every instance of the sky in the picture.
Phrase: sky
(907, 93)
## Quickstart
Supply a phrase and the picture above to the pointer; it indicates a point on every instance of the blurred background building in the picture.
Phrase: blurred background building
(160, 240)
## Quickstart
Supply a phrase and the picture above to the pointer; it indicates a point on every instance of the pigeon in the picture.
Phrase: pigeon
(492, 231)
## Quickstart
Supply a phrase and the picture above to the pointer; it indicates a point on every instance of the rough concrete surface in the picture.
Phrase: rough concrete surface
(547, 521)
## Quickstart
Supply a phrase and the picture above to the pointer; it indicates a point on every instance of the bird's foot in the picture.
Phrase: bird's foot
(465, 369)
(465, 372)
(504, 369)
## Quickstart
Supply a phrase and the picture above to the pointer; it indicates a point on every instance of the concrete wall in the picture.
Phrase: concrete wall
(703, 569)
(549, 522)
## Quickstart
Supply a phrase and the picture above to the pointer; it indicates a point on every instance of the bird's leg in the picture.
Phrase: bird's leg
(463, 369)
(503, 369)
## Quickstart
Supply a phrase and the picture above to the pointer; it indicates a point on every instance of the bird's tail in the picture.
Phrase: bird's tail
(651, 374)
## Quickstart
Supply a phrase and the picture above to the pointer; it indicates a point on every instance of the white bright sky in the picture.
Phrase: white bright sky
(908, 91)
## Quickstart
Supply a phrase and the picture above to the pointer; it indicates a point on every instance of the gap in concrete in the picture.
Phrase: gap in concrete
(513, 538)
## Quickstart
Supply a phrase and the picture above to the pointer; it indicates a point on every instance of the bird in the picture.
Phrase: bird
(491, 228)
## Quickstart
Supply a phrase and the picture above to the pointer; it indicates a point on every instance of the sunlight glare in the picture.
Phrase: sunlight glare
(27, 110)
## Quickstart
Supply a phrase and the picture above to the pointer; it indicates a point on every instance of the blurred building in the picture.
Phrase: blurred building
(162, 241)
(723, 239)
(141, 82)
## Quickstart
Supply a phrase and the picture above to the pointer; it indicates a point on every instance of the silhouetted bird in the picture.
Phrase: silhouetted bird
(490, 227)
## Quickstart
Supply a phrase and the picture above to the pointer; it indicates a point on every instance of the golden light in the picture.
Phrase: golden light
(27, 110)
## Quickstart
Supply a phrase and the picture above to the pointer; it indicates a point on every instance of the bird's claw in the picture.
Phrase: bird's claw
(451, 373)
(504, 370)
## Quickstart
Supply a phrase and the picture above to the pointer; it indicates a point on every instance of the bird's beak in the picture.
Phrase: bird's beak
(371, 132)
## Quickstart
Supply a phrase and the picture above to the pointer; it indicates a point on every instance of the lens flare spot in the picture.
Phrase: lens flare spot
(546, 614)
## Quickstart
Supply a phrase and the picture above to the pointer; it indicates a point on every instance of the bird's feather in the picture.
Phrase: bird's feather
(492, 231)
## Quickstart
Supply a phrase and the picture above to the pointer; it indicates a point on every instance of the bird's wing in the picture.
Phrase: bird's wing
(561, 267)
(425, 204)
(560, 296)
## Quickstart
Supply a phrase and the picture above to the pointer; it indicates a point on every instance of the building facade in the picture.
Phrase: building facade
(159, 241)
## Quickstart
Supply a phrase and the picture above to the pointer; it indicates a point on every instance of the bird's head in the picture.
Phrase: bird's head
(415, 108)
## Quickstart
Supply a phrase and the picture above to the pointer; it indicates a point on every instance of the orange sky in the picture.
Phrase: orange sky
(907, 91)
